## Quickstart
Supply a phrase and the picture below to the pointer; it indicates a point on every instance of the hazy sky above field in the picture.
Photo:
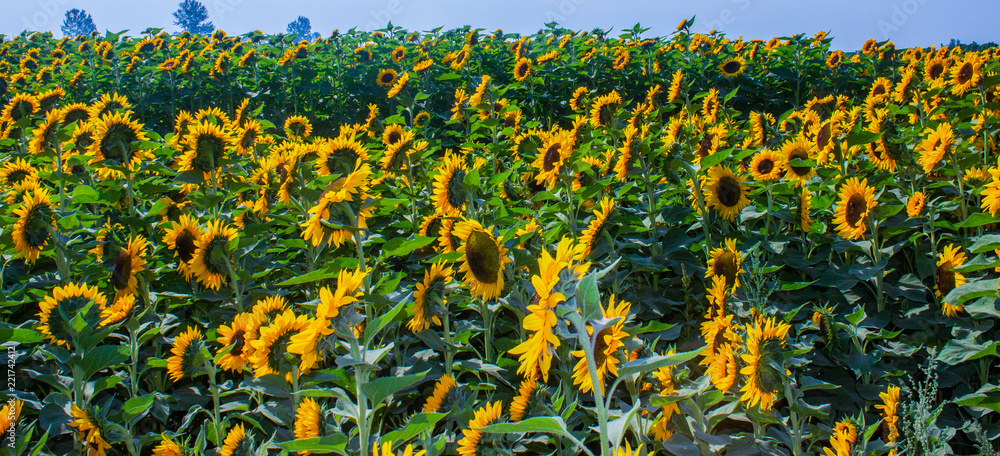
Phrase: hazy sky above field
(907, 22)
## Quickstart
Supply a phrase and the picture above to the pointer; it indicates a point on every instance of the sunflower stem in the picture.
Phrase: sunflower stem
(214, 386)
(793, 417)
(295, 390)
(598, 386)
(488, 328)
(62, 178)
(448, 355)
(234, 283)
(360, 378)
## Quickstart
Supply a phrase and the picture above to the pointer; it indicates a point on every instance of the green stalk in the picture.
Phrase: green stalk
(448, 354)
(210, 370)
(796, 435)
(602, 411)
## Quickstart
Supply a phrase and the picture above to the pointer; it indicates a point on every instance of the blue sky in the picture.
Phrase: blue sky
(907, 22)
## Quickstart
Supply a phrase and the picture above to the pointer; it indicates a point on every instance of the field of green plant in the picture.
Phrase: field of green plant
(482, 243)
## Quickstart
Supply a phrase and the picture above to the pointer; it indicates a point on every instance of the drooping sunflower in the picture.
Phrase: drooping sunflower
(765, 345)
(766, 166)
(206, 147)
(732, 67)
(726, 262)
(991, 193)
(89, 432)
(557, 147)
(442, 389)
(34, 223)
(298, 127)
(426, 293)
(802, 214)
(307, 420)
(449, 193)
(577, 97)
(589, 237)
(726, 192)
(128, 264)
(966, 74)
(271, 345)
(522, 69)
(857, 200)
(724, 369)
(398, 86)
(168, 447)
(937, 144)
(211, 261)
(69, 301)
(237, 442)
(118, 310)
(607, 345)
(946, 278)
(799, 148)
(890, 414)
(186, 359)
(484, 416)
(341, 156)
(675, 86)
(236, 337)
(521, 403)
(915, 204)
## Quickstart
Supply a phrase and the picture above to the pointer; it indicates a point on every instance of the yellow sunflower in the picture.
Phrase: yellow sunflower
(933, 148)
(726, 262)
(398, 86)
(206, 147)
(522, 402)
(128, 264)
(182, 237)
(484, 259)
(522, 69)
(442, 389)
(186, 359)
(732, 67)
(603, 109)
(857, 200)
(34, 223)
(9, 417)
(946, 278)
(675, 86)
(557, 147)
(271, 345)
(17, 171)
(237, 442)
(724, 369)
(22, 105)
(386, 77)
(108, 104)
(608, 344)
(89, 432)
(890, 414)
(350, 188)
(341, 156)
(236, 337)
(307, 420)
(725, 191)
(298, 127)
(398, 54)
(802, 214)
(422, 313)
(114, 134)
(991, 193)
(118, 311)
(660, 430)
(766, 166)
(247, 136)
(211, 262)
(589, 237)
(482, 417)
(915, 204)
(798, 149)
(64, 301)
(449, 193)
(764, 345)
(966, 74)
(168, 447)
(45, 136)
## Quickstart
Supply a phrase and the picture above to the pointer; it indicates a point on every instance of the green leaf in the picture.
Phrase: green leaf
(792, 286)
(809, 383)
(972, 290)
(190, 177)
(373, 329)
(960, 350)
(103, 357)
(336, 443)
(397, 247)
(381, 388)
(714, 159)
(616, 428)
(84, 195)
(330, 271)
(978, 219)
(414, 427)
(863, 137)
(985, 243)
(21, 335)
(544, 424)
(588, 298)
(655, 362)
(137, 405)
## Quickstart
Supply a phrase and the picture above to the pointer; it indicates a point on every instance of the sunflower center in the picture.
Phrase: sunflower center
(601, 346)
(823, 136)
(551, 158)
(16, 176)
(705, 146)
(856, 210)
(185, 246)
(731, 67)
(765, 166)
(483, 256)
(510, 120)
(456, 197)
(945, 278)
(239, 341)
(387, 78)
(725, 266)
(728, 190)
(936, 69)
(965, 73)
(394, 137)
(879, 90)
(122, 270)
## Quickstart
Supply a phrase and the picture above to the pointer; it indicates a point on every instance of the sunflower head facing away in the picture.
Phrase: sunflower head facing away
(211, 260)
(946, 278)
(187, 359)
(57, 311)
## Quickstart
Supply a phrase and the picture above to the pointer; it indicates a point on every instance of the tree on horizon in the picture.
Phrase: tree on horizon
(77, 22)
(192, 16)
(303, 28)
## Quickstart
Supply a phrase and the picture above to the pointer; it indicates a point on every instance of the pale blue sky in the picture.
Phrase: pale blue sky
(907, 22)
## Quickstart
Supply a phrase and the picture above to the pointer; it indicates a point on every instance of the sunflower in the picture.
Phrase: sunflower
(386, 450)
(45, 136)
(766, 166)
(22, 105)
(519, 405)
(627, 451)
(732, 67)
(522, 69)
(991, 193)
(934, 68)
(398, 54)
(236, 338)
(386, 77)
(933, 148)
(247, 136)
(845, 433)
(442, 389)
(946, 278)
(765, 342)
(64, 301)
(659, 430)
(915, 204)
(589, 237)
(577, 97)
(237, 442)
(449, 193)
(114, 134)
(395, 155)
(341, 156)
(9, 415)
(890, 414)
(869, 47)
(723, 369)
(206, 147)
(211, 262)
(271, 345)
(725, 191)
(108, 104)
(34, 224)
(557, 147)
(966, 74)
(398, 86)
(17, 171)
(834, 59)
(182, 237)
(118, 311)
(307, 421)
(798, 149)
(607, 344)
(89, 432)
(482, 417)
(168, 447)
(267, 309)
(603, 109)
(857, 200)
(460, 57)
(128, 264)
(422, 65)
(802, 215)
(726, 262)
(484, 259)
(298, 127)
(352, 187)
(187, 357)
(436, 279)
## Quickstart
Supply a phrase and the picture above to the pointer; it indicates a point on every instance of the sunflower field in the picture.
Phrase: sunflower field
(460, 242)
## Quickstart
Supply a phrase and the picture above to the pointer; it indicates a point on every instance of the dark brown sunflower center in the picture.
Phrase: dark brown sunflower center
(510, 120)
(16, 176)
(945, 278)
(855, 210)
(878, 90)
(835, 60)
(728, 190)
(965, 73)
(522, 70)
(387, 78)
(551, 158)
(483, 256)
(20, 110)
(394, 137)
(122, 270)
(601, 345)
(765, 166)
(239, 341)
(185, 246)
(935, 70)
(725, 266)
(75, 115)
(731, 67)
